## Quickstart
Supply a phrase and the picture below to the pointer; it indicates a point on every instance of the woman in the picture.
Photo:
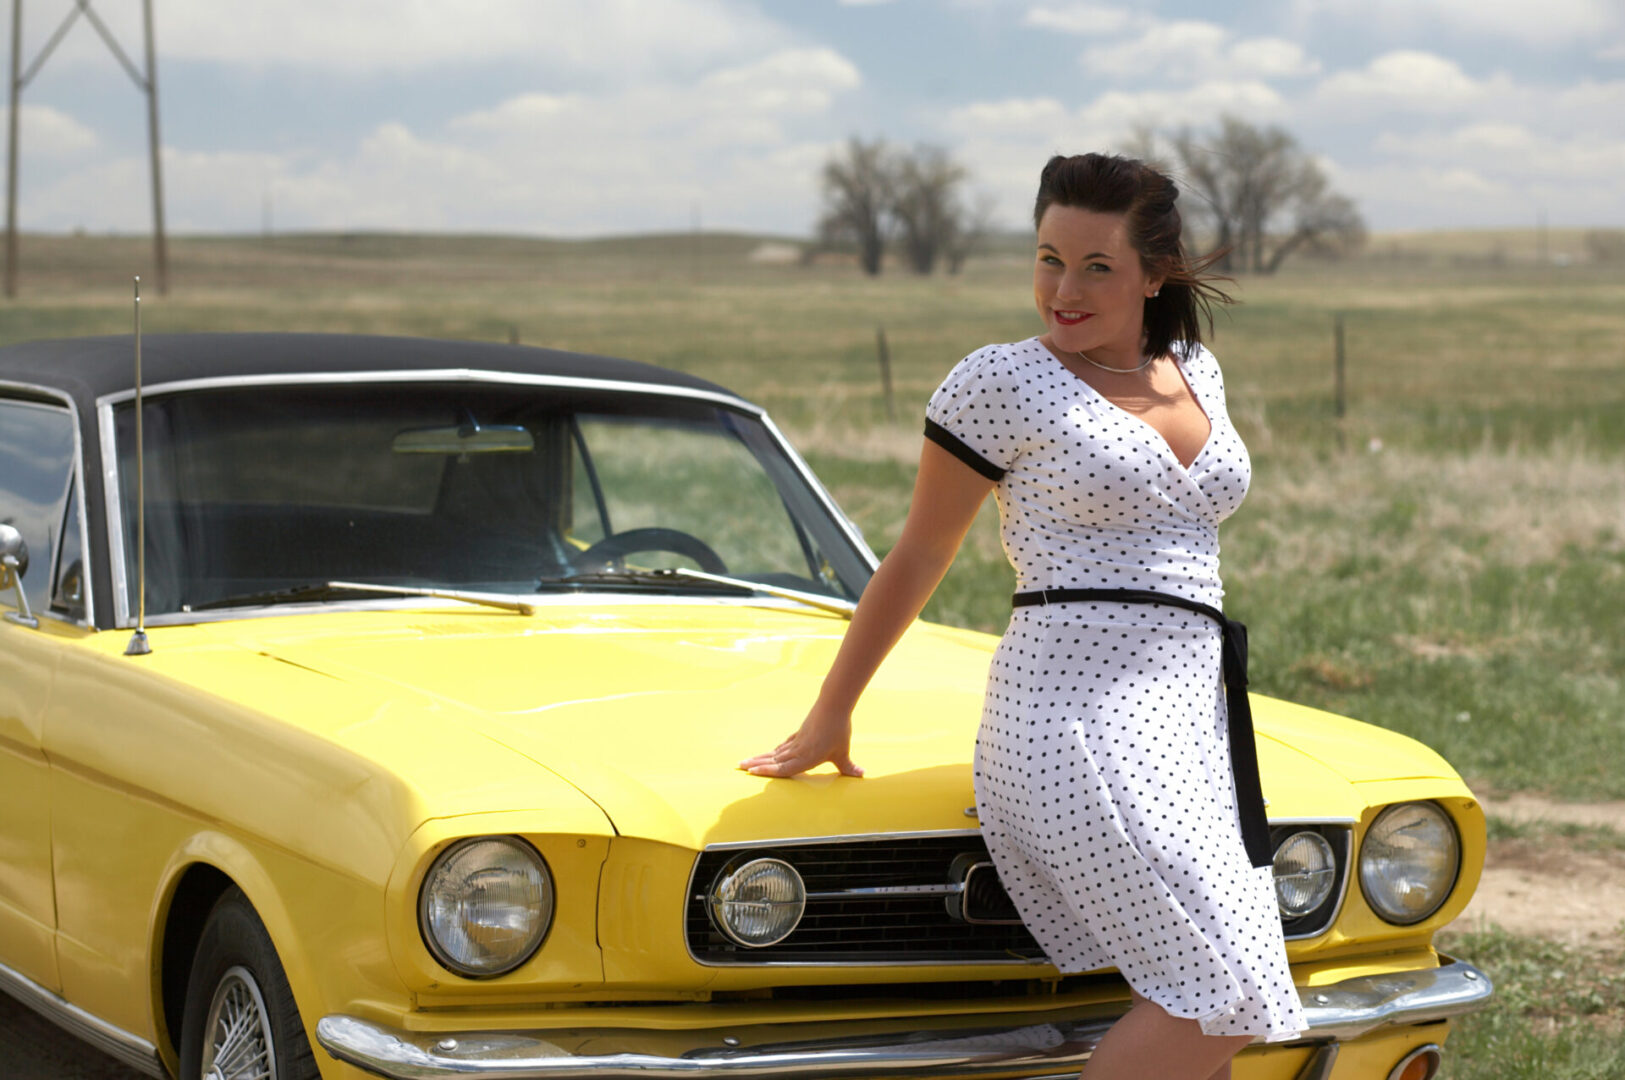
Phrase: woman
(1103, 772)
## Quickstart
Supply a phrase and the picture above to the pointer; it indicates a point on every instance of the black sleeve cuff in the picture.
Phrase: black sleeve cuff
(955, 446)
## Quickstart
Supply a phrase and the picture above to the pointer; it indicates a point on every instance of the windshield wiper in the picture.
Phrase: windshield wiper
(670, 576)
(329, 590)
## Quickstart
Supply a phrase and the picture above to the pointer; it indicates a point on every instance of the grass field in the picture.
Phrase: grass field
(1448, 559)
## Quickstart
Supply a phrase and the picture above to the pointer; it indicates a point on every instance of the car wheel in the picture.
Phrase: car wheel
(240, 1021)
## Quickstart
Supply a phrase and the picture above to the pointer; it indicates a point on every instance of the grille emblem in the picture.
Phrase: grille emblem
(980, 897)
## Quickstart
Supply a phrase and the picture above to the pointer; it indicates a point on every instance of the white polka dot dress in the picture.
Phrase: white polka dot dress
(1103, 779)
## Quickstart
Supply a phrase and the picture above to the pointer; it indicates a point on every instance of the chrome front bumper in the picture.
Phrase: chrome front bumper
(962, 1046)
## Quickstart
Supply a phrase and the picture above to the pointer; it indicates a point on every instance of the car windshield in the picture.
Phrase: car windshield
(478, 486)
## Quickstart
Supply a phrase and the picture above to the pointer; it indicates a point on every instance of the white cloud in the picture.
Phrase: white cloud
(1189, 50)
(1250, 99)
(799, 80)
(202, 192)
(1015, 117)
(631, 159)
(630, 38)
(1585, 106)
(1515, 152)
(1008, 141)
(48, 132)
(1083, 19)
(1488, 171)
(1547, 22)
(1406, 79)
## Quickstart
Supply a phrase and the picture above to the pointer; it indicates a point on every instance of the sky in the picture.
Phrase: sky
(594, 117)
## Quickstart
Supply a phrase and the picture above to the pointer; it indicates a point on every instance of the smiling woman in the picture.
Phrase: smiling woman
(1117, 790)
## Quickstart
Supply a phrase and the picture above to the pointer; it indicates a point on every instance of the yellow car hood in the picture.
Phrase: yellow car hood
(648, 710)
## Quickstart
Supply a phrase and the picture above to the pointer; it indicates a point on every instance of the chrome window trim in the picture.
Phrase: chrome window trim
(132, 1050)
(215, 382)
(846, 524)
(122, 611)
(77, 481)
(115, 518)
(537, 600)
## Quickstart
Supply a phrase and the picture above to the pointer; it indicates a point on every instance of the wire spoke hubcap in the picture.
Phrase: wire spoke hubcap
(239, 1031)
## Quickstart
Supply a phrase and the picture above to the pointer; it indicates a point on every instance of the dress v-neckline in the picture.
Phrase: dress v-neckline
(1161, 439)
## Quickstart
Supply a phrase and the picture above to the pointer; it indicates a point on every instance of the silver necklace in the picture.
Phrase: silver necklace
(1141, 366)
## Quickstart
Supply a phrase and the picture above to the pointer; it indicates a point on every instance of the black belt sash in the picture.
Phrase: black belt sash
(1255, 829)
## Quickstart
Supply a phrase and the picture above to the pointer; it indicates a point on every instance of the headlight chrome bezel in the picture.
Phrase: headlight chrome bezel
(1379, 836)
(1326, 873)
(739, 870)
(534, 937)
(1339, 834)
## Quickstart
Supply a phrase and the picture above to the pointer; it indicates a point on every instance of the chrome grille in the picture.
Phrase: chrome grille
(896, 900)
(879, 901)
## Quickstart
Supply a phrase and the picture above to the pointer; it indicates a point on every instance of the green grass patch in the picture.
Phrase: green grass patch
(1556, 1014)
(1448, 559)
(1571, 834)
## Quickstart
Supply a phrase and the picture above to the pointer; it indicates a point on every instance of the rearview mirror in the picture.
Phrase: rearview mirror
(465, 439)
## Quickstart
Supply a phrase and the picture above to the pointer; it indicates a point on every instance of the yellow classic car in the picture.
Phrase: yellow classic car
(369, 707)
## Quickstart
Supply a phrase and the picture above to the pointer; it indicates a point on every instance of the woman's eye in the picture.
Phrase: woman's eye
(1100, 267)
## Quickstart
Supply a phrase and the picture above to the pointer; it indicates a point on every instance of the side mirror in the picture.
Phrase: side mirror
(13, 550)
(13, 565)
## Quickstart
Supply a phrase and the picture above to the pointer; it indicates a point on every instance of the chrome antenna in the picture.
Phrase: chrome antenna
(138, 641)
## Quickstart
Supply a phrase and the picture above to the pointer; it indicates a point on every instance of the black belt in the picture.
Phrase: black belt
(1255, 827)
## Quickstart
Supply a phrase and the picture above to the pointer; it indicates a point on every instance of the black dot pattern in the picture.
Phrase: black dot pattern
(1103, 779)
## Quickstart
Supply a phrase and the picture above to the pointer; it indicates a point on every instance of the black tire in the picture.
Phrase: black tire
(236, 970)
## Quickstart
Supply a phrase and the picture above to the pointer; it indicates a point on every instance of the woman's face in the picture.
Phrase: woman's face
(1089, 285)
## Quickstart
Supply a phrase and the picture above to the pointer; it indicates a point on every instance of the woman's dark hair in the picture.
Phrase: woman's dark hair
(1108, 184)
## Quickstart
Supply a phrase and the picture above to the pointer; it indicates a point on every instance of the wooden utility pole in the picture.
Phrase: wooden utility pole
(160, 244)
(146, 82)
(11, 147)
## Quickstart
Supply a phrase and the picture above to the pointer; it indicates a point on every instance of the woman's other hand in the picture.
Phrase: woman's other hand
(820, 738)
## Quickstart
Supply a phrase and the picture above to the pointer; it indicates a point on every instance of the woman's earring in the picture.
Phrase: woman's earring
(1156, 294)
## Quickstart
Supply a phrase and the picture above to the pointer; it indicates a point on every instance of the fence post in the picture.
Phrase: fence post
(1341, 366)
(885, 373)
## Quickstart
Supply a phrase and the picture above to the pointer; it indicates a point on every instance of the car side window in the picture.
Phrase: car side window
(36, 474)
(68, 576)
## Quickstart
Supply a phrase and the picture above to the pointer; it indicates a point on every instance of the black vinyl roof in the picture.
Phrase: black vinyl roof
(90, 367)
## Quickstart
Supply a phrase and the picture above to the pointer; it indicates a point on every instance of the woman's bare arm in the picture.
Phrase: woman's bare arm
(947, 494)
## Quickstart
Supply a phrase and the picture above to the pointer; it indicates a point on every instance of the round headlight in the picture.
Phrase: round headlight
(757, 903)
(1408, 862)
(1305, 871)
(486, 905)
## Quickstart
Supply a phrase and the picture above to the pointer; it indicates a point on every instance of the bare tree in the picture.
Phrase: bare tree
(926, 205)
(859, 187)
(1262, 196)
(974, 227)
(874, 194)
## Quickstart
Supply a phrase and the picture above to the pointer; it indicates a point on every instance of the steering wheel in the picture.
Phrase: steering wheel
(653, 539)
